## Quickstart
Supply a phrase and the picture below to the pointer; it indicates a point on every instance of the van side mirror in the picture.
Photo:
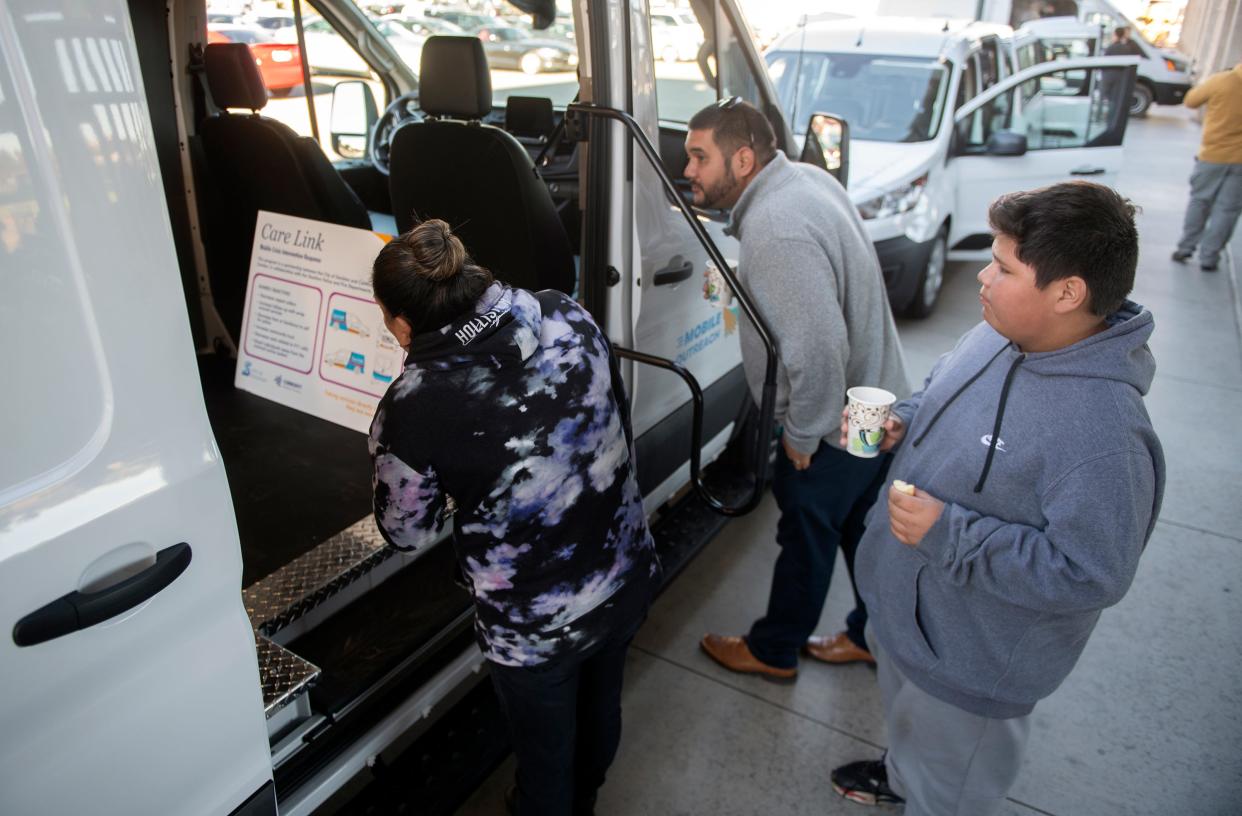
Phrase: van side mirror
(353, 114)
(1006, 143)
(827, 145)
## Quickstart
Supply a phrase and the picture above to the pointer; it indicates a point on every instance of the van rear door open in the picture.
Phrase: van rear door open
(108, 459)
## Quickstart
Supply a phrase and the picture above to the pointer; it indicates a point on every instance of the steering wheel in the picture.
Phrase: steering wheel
(400, 112)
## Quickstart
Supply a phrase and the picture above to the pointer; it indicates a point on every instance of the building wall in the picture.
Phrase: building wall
(1212, 35)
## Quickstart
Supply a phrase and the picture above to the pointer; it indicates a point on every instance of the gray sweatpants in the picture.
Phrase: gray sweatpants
(1215, 202)
(942, 760)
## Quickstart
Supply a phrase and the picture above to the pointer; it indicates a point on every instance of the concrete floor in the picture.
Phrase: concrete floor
(1149, 722)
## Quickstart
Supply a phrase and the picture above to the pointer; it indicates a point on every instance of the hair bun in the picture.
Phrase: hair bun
(438, 253)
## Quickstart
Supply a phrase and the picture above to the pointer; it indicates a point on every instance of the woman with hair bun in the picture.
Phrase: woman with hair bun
(510, 417)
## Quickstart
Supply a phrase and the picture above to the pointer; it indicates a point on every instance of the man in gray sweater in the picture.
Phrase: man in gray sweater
(808, 263)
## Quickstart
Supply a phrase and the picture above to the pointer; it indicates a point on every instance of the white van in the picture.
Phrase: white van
(199, 616)
(940, 125)
(1163, 76)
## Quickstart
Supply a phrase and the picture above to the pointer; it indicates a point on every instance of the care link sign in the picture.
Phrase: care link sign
(312, 337)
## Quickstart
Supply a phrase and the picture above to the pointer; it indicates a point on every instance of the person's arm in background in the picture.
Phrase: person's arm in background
(1201, 94)
(798, 297)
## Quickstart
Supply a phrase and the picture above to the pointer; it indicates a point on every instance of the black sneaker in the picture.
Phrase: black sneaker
(865, 782)
(1208, 267)
(1181, 257)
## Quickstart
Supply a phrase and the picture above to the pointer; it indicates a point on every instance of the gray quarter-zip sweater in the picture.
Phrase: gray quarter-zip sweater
(1052, 478)
(807, 261)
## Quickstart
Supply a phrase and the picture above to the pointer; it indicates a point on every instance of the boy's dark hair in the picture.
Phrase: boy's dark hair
(1075, 228)
(425, 276)
(736, 123)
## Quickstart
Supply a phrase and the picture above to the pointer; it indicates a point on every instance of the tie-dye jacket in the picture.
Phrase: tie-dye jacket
(513, 420)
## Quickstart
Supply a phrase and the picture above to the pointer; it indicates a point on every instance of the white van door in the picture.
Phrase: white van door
(1048, 123)
(127, 662)
(671, 316)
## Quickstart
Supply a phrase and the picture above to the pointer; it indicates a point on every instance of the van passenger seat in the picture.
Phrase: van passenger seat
(254, 163)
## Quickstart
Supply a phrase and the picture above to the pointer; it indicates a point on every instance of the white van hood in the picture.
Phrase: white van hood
(877, 167)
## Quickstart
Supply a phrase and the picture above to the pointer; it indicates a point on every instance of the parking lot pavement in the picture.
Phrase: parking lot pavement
(1150, 721)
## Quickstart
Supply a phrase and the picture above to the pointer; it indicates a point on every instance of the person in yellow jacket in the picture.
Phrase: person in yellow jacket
(1216, 183)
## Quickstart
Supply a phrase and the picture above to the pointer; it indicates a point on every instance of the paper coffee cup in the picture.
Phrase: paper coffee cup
(868, 411)
(715, 289)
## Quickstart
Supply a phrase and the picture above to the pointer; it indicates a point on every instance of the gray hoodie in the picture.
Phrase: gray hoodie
(1052, 478)
(807, 261)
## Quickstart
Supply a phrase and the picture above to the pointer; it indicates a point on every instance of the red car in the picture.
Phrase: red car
(279, 63)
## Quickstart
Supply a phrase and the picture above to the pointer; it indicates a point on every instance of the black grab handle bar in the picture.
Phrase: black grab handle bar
(767, 405)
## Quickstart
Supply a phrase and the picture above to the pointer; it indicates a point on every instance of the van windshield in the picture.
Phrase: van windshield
(884, 98)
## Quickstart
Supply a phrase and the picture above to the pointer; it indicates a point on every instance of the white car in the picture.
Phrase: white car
(940, 125)
(675, 36)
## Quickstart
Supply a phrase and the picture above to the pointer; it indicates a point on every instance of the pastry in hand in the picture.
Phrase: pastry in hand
(903, 487)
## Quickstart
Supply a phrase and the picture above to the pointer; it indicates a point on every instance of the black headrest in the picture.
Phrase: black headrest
(454, 79)
(233, 76)
(529, 116)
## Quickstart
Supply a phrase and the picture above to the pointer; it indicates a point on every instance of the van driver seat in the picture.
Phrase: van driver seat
(476, 177)
(254, 163)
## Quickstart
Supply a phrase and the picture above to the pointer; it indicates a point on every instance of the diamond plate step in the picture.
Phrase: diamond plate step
(274, 602)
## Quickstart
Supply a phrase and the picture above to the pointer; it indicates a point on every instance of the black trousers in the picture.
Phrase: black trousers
(565, 724)
(822, 507)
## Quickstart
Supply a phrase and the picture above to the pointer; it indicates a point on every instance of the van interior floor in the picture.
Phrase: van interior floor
(295, 479)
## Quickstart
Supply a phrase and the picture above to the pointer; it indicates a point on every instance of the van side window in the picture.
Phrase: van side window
(1069, 108)
(273, 40)
(968, 85)
(58, 393)
(989, 65)
(684, 44)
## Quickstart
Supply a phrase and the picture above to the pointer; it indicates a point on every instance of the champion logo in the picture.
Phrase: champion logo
(986, 439)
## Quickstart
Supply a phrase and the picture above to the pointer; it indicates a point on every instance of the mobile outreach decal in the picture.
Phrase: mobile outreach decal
(312, 337)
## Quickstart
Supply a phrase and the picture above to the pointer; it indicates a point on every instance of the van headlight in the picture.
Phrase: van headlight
(548, 53)
(895, 201)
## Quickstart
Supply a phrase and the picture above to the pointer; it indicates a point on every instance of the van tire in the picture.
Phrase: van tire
(1142, 99)
(931, 278)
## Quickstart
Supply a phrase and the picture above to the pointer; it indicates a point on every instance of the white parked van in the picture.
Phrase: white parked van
(198, 613)
(1163, 76)
(940, 125)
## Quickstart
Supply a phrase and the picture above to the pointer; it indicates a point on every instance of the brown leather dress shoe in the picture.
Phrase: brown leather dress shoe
(836, 649)
(732, 652)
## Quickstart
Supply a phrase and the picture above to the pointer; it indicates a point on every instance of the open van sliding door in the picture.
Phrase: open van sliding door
(1055, 121)
(127, 662)
(670, 316)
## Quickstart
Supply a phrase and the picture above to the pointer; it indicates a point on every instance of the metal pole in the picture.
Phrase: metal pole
(307, 90)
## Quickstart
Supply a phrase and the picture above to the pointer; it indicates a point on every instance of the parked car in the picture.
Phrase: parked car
(471, 21)
(280, 63)
(1163, 77)
(675, 36)
(328, 54)
(515, 49)
(940, 125)
(424, 26)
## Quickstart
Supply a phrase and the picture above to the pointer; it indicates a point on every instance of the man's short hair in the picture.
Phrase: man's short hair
(1121, 32)
(1075, 228)
(736, 123)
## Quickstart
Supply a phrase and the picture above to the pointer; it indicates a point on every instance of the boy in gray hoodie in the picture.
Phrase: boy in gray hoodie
(1038, 479)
